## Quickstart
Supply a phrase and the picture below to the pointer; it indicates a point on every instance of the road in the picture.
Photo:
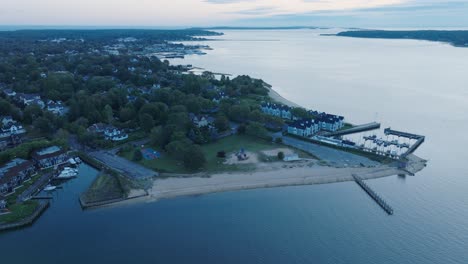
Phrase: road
(332, 156)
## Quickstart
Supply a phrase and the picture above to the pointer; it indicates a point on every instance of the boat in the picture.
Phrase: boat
(78, 160)
(67, 174)
(72, 161)
(70, 169)
(49, 188)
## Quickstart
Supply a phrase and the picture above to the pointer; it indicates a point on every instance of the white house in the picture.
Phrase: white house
(303, 127)
(10, 127)
(278, 110)
(114, 134)
(57, 108)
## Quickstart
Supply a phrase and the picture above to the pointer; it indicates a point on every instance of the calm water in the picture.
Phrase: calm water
(416, 86)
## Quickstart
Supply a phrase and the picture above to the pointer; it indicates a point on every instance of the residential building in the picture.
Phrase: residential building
(9, 93)
(109, 132)
(114, 134)
(49, 157)
(3, 204)
(304, 127)
(201, 120)
(29, 99)
(330, 122)
(278, 110)
(10, 131)
(57, 108)
(14, 173)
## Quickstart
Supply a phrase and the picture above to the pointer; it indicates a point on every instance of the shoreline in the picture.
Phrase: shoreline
(295, 174)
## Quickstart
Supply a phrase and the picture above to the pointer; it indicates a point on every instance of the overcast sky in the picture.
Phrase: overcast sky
(184, 13)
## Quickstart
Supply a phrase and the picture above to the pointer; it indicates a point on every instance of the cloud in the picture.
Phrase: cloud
(224, 12)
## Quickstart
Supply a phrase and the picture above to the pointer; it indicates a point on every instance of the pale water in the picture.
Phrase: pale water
(415, 86)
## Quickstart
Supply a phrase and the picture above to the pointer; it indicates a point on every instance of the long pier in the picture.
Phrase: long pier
(373, 195)
(354, 129)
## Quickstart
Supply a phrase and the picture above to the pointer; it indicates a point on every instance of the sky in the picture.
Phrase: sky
(205, 13)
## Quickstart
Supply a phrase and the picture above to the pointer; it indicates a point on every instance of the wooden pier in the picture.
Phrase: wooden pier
(419, 139)
(373, 195)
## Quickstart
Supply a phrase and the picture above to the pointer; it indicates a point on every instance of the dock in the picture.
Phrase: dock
(373, 195)
(354, 129)
(419, 139)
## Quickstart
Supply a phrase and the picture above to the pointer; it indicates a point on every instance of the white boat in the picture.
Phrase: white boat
(70, 169)
(77, 160)
(67, 174)
(49, 188)
(72, 161)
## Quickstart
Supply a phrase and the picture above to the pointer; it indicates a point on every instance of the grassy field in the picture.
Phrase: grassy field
(19, 211)
(104, 187)
(213, 164)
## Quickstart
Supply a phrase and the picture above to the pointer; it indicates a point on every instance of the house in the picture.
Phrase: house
(57, 108)
(278, 110)
(304, 127)
(219, 96)
(114, 134)
(14, 173)
(3, 204)
(201, 120)
(109, 132)
(29, 99)
(9, 93)
(49, 157)
(9, 128)
(330, 122)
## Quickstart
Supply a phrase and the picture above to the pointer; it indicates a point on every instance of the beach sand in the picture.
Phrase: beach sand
(278, 174)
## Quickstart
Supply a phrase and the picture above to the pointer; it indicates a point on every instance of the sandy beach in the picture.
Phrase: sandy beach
(276, 174)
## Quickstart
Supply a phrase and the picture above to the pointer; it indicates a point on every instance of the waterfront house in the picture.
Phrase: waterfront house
(14, 173)
(10, 131)
(330, 122)
(49, 157)
(304, 127)
(278, 110)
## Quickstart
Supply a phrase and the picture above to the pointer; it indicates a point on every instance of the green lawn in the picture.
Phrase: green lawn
(104, 187)
(19, 211)
(214, 164)
(228, 144)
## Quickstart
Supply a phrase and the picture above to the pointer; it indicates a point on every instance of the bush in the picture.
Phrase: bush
(137, 156)
(221, 154)
(279, 140)
(280, 155)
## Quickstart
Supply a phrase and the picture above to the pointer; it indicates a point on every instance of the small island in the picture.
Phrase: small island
(457, 38)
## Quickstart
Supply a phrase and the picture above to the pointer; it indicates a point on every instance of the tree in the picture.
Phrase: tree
(194, 158)
(146, 122)
(221, 123)
(279, 140)
(178, 148)
(299, 112)
(137, 155)
(256, 130)
(281, 155)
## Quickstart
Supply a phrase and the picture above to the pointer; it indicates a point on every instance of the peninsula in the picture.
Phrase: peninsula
(110, 98)
(457, 38)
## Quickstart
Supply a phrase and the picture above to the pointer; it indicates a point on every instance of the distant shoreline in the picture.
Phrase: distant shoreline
(456, 38)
